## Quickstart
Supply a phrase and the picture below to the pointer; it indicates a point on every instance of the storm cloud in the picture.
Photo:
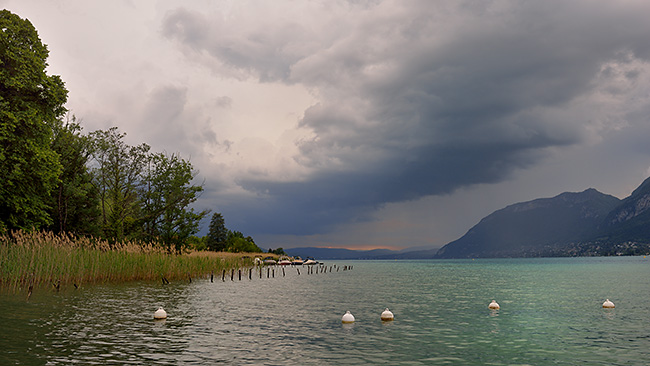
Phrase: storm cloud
(422, 98)
(366, 123)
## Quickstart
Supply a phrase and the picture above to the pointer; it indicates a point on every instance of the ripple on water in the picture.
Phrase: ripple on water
(550, 314)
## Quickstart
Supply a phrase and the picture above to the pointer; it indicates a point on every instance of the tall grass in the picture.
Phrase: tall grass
(37, 259)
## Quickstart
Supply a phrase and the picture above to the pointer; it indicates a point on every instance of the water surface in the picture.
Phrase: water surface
(550, 314)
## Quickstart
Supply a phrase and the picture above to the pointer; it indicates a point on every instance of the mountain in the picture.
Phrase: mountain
(571, 224)
(629, 221)
(545, 226)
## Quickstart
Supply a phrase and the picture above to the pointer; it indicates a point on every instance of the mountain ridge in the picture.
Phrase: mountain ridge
(569, 224)
(587, 223)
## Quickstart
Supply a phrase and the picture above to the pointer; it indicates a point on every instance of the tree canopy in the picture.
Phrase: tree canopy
(217, 233)
(74, 201)
(30, 102)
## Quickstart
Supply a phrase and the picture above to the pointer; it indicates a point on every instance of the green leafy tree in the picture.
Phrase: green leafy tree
(117, 175)
(236, 243)
(30, 101)
(217, 233)
(278, 251)
(167, 192)
(74, 202)
(197, 242)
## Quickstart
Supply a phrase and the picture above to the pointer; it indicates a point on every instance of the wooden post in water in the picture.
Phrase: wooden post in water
(298, 269)
(223, 276)
(232, 275)
(268, 270)
(29, 291)
(240, 274)
(212, 276)
(273, 272)
(283, 272)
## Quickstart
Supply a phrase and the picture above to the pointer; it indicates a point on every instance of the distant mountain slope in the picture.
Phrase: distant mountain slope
(570, 224)
(629, 221)
(534, 228)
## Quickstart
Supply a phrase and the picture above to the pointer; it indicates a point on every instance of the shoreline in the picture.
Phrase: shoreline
(39, 260)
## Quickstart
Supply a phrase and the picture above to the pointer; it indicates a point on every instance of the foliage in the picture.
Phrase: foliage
(59, 179)
(278, 251)
(117, 169)
(197, 243)
(143, 195)
(217, 233)
(166, 194)
(236, 243)
(74, 202)
(30, 101)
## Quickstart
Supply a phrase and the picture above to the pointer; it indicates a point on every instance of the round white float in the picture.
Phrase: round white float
(494, 305)
(387, 315)
(608, 304)
(347, 317)
(160, 314)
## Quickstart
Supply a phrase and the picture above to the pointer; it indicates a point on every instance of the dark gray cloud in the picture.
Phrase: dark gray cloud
(422, 98)
(364, 122)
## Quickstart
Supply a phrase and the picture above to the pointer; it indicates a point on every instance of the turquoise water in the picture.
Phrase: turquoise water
(550, 314)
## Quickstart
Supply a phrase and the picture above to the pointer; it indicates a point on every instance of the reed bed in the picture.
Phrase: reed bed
(38, 259)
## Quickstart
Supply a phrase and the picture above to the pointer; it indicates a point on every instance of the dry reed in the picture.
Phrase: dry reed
(38, 259)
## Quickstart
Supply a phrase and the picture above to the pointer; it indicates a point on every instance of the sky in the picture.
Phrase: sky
(364, 124)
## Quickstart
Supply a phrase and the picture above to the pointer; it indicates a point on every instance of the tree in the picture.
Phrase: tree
(30, 101)
(278, 251)
(74, 203)
(217, 233)
(117, 171)
(167, 191)
(197, 242)
(236, 243)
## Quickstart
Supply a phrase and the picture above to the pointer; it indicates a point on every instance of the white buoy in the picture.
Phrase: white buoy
(387, 315)
(347, 317)
(494, 305)
(608, 304)
(160, 314)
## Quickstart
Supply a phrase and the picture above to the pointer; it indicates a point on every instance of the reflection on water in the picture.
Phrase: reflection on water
(550, 314)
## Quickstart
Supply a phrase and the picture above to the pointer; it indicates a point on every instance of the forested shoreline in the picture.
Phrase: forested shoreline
(70, 197)
(60, 179)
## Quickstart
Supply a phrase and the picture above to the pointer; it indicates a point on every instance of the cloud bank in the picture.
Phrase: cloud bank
(420, 98)
(308, 119)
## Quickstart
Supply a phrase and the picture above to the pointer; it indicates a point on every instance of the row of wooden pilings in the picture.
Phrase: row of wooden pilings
(270, 271)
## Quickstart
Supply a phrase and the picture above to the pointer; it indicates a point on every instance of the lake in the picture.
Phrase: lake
(551, 314)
